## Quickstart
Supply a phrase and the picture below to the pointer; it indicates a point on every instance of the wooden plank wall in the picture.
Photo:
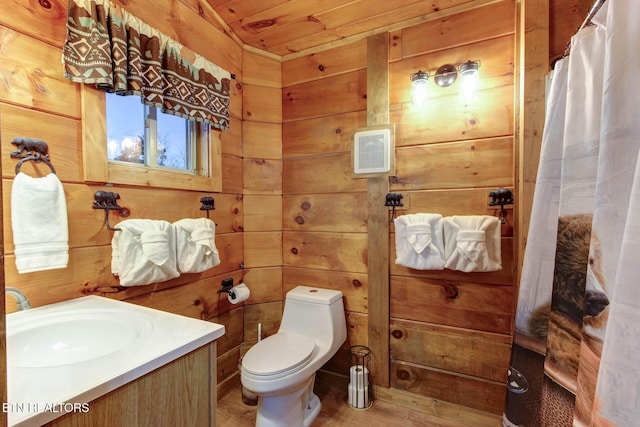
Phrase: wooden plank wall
(290, 212)
(262, 188)
(37, 101)
(377, 215)
(450, 331)
(324, 99)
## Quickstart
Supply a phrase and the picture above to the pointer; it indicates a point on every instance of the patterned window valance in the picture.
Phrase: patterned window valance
(117, 52)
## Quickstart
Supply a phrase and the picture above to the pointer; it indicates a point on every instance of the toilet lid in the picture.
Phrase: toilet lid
(278, 354)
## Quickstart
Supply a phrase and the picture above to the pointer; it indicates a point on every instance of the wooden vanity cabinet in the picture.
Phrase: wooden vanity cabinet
(180, 393)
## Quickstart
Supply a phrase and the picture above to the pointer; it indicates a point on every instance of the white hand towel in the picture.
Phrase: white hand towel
(39, 223)
(144, 252)
(472, 243)
(419, 241)
(196, 246)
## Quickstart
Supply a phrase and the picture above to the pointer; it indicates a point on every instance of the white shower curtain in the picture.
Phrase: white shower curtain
(576, 353)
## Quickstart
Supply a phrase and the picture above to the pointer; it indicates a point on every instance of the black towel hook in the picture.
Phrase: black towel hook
(31, 149)
(108, 201)
(501, 197)
(394, 200)
(208, 204)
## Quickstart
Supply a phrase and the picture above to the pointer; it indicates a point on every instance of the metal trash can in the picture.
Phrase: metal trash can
(359, 388)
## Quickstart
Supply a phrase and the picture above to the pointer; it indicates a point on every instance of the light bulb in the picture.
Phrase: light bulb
(419, 88)
(470, 82)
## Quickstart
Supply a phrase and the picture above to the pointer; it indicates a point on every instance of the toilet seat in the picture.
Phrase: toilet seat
(278, 355)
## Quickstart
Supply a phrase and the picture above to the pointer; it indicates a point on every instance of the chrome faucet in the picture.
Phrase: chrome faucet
(21, 299)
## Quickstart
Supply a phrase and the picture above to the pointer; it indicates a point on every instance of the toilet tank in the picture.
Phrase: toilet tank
(315, 312)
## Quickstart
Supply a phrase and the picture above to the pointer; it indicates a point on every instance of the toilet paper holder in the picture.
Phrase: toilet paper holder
(359, 388)
(227, 286)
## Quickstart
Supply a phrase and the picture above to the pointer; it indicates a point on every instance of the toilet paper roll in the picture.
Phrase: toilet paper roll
(358, 396)
(359, 376)
(238, 294)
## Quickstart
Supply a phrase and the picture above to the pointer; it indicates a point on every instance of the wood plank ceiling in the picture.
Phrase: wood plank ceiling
(289, 28)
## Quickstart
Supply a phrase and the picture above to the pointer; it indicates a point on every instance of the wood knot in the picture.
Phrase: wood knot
(338, 131)
(402, 374)
(45, 3)
(397, 333)
(294, 251)
(305, 206)
(356, 283)
(197, 302)
(299, 220)
(265, 23)
(451, 291)
(235, 211)
(321, 67)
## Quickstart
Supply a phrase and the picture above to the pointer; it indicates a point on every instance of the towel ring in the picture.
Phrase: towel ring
(35, 149)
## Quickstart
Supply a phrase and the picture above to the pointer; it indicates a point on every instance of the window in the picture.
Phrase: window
(144, 135)
(186, 155)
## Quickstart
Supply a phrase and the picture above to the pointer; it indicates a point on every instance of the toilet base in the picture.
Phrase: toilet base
(312, 410)
(287, 410)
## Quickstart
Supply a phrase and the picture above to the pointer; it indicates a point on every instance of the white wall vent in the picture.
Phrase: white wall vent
(372, 151)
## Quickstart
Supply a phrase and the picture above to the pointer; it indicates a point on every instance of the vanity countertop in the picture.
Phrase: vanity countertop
(62, 356)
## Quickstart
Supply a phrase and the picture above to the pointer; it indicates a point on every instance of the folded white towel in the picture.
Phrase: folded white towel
(39, 223)
(472, 243)
(196, 246)
(419, 241)
(144, 252)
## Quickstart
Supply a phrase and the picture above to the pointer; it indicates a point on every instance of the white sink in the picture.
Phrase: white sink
(75, 351)
(56, 339)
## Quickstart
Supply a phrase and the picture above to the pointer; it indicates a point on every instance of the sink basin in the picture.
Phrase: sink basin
(68, 338)
(75, 351)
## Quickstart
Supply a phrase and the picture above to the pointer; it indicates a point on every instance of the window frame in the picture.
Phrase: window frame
(97, 168)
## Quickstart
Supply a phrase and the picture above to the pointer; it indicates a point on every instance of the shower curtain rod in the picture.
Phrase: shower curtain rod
(592, 12)
(587, 21)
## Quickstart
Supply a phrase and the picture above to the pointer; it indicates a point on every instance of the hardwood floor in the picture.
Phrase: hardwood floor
(336, 411)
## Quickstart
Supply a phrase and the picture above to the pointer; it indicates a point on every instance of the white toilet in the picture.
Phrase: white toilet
(281, 369)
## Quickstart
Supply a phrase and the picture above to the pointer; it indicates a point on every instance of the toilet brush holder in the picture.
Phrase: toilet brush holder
(359, 392)
(248, 397)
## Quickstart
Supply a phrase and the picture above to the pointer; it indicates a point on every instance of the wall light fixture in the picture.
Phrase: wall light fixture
(445, 76)
(470, 81)
(419, 84)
